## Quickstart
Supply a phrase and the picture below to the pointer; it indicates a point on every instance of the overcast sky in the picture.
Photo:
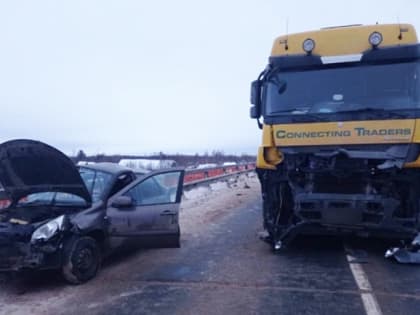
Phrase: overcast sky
(138, 77)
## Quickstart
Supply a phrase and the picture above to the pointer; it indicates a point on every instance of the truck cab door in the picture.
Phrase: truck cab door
(147, 210)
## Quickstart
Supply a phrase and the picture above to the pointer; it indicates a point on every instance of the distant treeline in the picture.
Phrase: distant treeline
(218, 157)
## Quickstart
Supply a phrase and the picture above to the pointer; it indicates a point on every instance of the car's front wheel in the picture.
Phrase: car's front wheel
(82, 259)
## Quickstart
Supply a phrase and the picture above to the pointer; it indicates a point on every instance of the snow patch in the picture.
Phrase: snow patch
(219, 186)
(197, 193)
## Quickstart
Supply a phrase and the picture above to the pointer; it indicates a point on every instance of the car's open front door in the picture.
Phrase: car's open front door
(147, 209)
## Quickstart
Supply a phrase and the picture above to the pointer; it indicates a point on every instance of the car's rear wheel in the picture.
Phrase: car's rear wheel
(82, 259)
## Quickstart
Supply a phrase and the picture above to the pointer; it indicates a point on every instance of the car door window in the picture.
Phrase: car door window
(158, 189)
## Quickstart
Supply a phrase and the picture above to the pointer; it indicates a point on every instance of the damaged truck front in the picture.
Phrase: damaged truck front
(340, 149)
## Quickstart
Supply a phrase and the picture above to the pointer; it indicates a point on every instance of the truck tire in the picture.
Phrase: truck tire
(82, 259)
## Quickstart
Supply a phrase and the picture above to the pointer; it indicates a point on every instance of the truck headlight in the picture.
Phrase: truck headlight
(48, 230)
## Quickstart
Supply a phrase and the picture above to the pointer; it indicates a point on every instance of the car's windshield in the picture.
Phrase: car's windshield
(97, 182)
(51, 198)
(386, 86)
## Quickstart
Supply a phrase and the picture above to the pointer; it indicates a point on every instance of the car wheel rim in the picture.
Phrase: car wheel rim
(85, 259)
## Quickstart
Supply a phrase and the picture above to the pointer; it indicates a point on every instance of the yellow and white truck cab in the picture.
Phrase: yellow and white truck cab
(339, 110)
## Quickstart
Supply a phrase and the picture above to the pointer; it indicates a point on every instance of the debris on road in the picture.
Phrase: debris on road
(406, 255)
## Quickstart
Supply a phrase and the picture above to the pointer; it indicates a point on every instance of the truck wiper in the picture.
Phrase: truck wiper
(301, 115)
(301, 111)
(383, 112)
(309, 118)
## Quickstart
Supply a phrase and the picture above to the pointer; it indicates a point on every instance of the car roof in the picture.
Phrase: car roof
(107, 167)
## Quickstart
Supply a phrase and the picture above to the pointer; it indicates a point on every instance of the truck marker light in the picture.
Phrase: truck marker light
(308, 45)
(375, 39)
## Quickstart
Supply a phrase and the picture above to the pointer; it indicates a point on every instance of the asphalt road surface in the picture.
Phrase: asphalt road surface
(223, 268)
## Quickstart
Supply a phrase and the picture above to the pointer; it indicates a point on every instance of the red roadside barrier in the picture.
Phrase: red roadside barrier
(200, 174)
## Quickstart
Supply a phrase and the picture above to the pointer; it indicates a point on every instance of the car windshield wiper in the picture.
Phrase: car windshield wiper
(381, 111)
(60, 203)
(35, 203)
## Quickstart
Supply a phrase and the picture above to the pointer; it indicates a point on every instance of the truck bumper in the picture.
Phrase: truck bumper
(362, 215)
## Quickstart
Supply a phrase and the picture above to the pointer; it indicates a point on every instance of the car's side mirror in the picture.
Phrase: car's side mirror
(256, 99)
(123, 202)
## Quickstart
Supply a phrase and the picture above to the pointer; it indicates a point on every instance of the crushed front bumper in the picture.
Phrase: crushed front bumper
(17, 256)
(345, 215)
(362, 215)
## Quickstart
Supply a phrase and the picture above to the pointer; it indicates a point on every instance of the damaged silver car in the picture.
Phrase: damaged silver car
(68, 218)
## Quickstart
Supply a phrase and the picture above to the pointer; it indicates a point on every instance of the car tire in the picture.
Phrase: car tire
(82, 259)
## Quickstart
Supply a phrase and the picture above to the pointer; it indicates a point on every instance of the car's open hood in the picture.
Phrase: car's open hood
(28, 166)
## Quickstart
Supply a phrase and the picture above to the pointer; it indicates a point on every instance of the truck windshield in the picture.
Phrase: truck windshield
(383, 87)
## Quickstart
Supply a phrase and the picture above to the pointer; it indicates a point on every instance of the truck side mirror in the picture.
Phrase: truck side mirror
(255, 111)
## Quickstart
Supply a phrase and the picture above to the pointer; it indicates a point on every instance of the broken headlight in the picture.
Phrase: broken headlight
(48, 230)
